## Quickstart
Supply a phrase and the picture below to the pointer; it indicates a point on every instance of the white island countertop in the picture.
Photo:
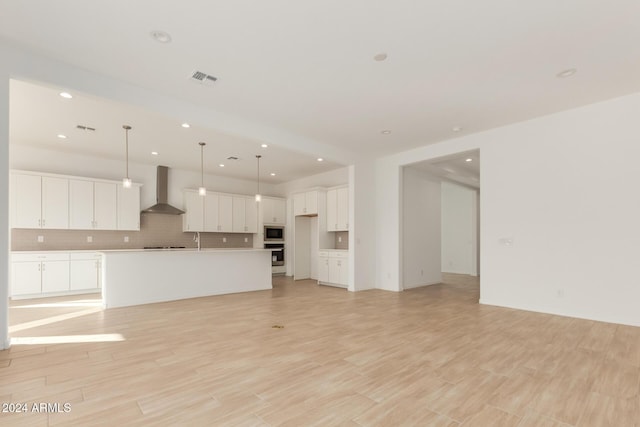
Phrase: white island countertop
(142, 276)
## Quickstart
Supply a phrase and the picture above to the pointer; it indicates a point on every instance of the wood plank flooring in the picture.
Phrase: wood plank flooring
(427, 357)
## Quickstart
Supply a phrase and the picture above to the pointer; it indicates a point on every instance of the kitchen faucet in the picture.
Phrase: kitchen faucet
(196, 238)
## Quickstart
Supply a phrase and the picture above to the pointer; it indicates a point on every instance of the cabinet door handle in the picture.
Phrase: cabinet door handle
(39, 267)
(43, 222)
(39, 223)
(43, 267)
(347, 225)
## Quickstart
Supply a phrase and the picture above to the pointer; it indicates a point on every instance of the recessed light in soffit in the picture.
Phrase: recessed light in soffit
(385, 132)
(66, 95)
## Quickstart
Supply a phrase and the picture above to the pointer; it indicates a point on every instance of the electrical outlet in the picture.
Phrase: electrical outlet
(126, 239)
(224, 240)
(40, 239)
(246, 240)
(89, 239)
(339, 239)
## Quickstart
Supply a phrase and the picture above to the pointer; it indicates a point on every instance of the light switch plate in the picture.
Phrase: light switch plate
(339, 239)
(126, 239)
(224, 240)
(246, 240)
(89, 239)
(40, 239)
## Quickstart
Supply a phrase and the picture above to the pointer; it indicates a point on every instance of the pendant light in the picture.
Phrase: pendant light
(258, 196)
(126, 181)
(202, 190)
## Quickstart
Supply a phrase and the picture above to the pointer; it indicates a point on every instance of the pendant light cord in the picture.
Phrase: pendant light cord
(126, 128)
(258, 157)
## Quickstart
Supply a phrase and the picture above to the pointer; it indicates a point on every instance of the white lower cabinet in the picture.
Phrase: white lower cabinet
(333, 268)
(85, 271)
(35, 275)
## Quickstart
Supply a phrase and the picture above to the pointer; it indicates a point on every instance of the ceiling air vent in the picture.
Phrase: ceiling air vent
(203, 78)
(232, 158)
(87, 128)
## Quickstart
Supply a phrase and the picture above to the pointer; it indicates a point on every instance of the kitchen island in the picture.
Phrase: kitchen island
(132, 277)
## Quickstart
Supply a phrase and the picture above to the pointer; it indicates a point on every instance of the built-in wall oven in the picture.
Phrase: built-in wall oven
(277, 253)
(272, 233)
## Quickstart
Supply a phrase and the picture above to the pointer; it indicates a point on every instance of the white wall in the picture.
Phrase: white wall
(459, 233)
(564, 188)
(42, 160)
(330, 178)
(421, 210)
(363, 233)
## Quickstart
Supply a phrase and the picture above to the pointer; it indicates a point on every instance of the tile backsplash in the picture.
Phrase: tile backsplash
(342, 240)
(155, 230)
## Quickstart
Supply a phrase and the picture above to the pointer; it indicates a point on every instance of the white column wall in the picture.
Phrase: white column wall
(362, 226)
(421, 229)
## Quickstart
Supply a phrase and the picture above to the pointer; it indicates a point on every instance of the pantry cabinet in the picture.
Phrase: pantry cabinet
(338, 209)
(305, 203)
(274, 211)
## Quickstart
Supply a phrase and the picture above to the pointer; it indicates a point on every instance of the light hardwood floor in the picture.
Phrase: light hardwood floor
(428, 357)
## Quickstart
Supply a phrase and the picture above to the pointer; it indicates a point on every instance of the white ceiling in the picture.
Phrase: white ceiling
(463, 168)
(307, 67)
(38, 114)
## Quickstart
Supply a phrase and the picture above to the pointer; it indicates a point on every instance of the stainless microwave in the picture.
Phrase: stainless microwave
(273, 233)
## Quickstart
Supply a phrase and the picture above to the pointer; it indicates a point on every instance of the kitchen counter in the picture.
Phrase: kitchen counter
(142, 276)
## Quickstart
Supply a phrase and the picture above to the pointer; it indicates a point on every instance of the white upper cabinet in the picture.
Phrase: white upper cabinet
(211, 212)
(193, 218)
(305, 203)
(61, 202)
(92, 205)
(225, 213)
(27, 201)
(274, 211)
(245, 215)
(105, 212)
(39, 202)
(55, 203)
(128, 216)
(338, 209)
(80, 204)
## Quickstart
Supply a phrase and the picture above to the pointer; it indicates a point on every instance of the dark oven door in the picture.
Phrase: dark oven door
(277, 253)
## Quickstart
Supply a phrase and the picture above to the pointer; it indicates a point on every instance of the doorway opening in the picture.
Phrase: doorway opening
(441, 222)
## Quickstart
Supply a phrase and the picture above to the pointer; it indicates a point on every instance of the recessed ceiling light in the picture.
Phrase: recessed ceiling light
(66, 95)
(468, 159)
(221, 165)
(161, 36)
(566, 73)
(457, 128)
(380, 57)
(61, 136)
(155, 153)
(272, 174)
(320, 159)
(264, 146)
(385, 132)
(186, 125)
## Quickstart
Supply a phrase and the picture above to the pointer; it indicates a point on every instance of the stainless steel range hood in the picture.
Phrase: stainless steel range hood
(162, 206)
